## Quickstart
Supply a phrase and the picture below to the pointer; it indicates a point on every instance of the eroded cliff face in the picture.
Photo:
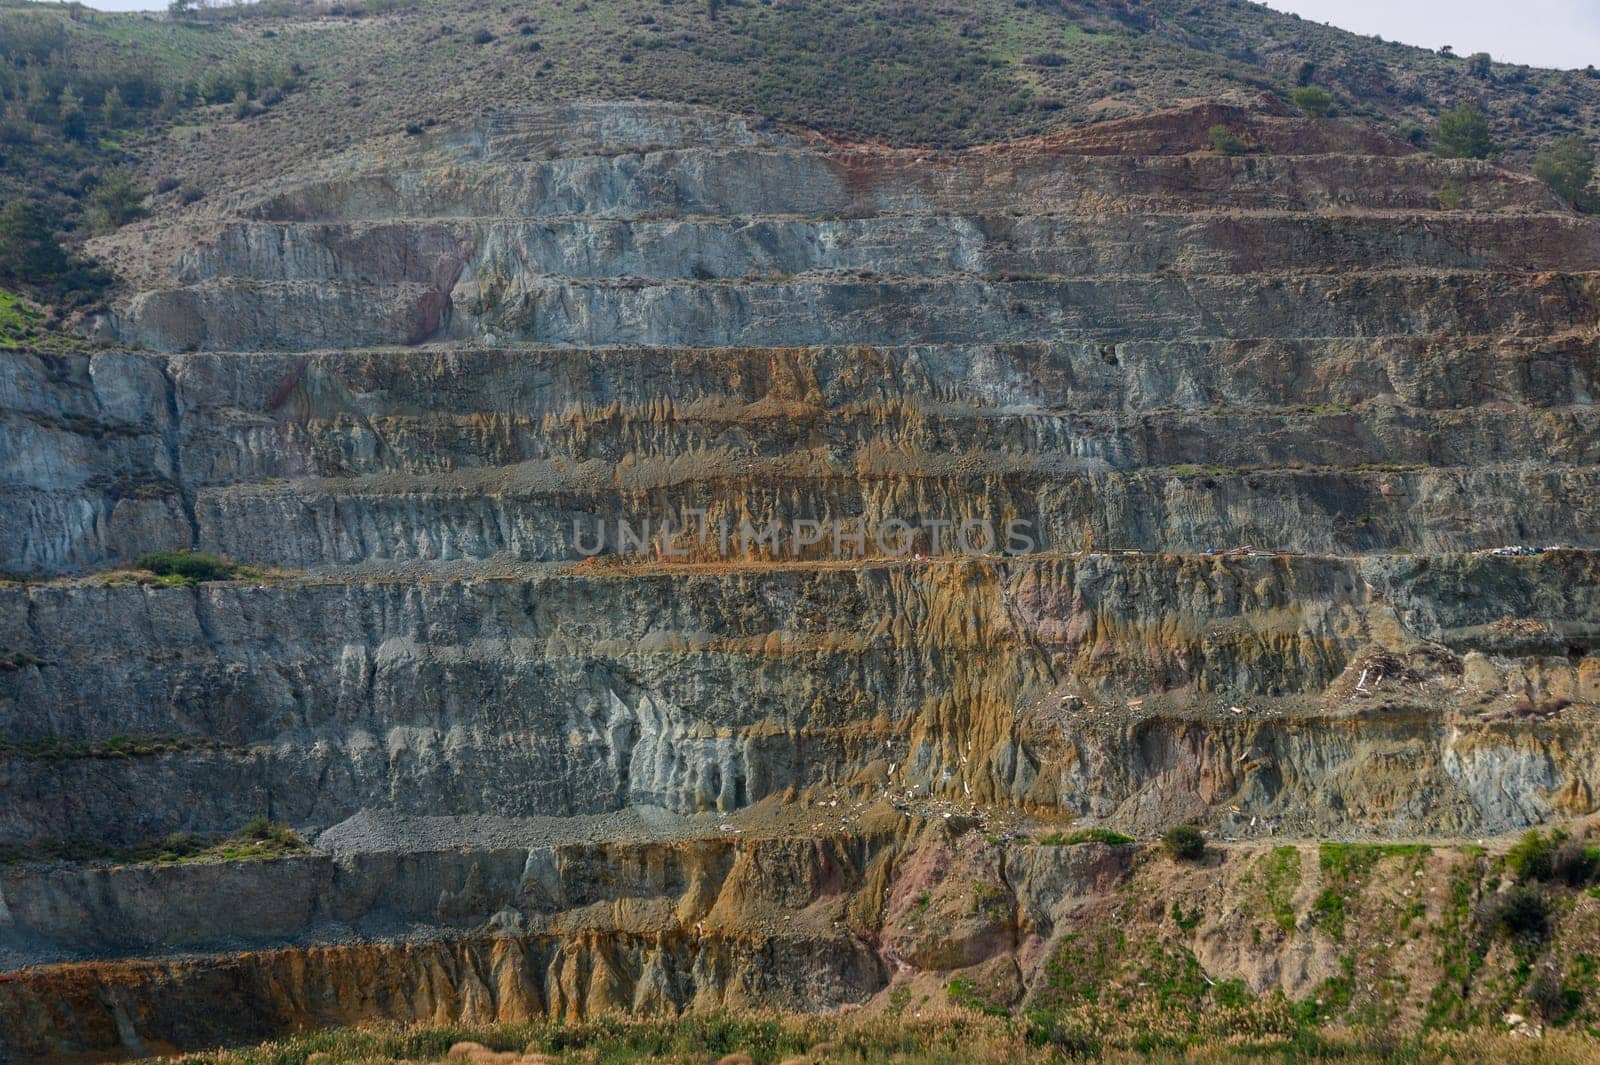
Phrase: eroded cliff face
(1261, 417)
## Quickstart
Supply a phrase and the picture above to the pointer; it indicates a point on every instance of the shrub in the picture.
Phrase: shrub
(1575, 862)
(1545, 993)
(1313, 101)
(1568, 167)
(1185, 843)
(1533, 856)
(1225, 142)
(189, 566)
(1463, 133)
(1522, 913)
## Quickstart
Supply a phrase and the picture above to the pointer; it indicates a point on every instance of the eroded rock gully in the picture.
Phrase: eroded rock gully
(543, 785)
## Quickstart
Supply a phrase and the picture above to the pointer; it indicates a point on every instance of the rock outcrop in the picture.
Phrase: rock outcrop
(1260, 418)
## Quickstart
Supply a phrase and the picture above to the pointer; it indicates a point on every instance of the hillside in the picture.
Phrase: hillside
(952, 74)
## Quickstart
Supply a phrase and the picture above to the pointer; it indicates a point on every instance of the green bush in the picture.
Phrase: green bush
(261, 829)
(1463, 133)
(1186, 843)
(1568, 167)
(1522, 913)
(1225, 142)
(191, 567)
(1533, 856)
(1313, 101)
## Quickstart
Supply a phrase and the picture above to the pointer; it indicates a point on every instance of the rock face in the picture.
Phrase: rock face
(1259, 417)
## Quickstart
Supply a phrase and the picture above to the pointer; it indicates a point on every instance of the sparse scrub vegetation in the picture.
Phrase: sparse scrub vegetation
(1244, 1030)
(189, 567)
(1085, 835)
(1281, 876)
(260, 838)
(62, 749)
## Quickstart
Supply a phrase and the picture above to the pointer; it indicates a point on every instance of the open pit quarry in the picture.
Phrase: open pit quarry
(1266, 418)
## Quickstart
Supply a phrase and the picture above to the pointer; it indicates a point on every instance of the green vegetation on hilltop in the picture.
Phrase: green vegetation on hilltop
(80, 94)
(950, 74)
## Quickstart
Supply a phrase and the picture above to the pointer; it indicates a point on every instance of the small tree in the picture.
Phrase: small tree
(1480, 65)
(113, 109)
(74, 123)
(117, 199)
(1317, 103)
(1463, 133)
(1225, 142)
(1568, 167)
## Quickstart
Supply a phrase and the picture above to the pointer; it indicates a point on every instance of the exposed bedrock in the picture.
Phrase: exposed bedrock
(568, 695)
(1341, 446)
(1262, 418)
(309, 314)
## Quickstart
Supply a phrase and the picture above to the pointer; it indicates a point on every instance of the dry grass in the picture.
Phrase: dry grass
(942, 1036)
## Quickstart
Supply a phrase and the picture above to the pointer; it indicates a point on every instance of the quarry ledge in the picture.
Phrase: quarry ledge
(628, 568)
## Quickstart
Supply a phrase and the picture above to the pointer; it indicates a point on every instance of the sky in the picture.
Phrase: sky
(1541, 33)
(1545, 33)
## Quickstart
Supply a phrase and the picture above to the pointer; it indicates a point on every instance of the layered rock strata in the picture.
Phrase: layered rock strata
(1262, 418)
